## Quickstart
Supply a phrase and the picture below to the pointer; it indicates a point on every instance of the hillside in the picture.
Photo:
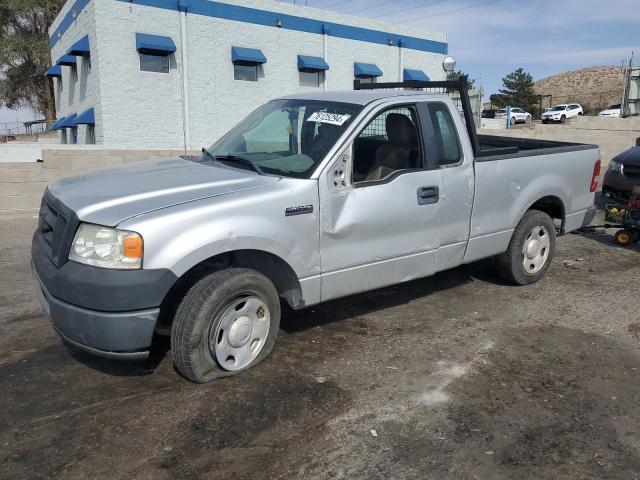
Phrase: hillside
(595, 88)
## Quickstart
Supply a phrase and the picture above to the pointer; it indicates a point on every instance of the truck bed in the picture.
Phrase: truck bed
(494, 147)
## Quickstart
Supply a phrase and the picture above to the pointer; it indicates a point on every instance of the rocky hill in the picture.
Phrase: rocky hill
(595, 88)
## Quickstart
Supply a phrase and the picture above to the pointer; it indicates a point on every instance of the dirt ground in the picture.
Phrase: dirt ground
(459, 376)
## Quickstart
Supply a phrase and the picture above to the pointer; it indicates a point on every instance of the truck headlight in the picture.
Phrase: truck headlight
(106, 247)
(615, 167)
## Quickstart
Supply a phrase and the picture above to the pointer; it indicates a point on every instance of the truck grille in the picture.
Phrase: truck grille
(56, 225)
(632, 171)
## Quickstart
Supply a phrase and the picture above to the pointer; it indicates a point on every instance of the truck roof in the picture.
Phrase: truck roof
(359, 97)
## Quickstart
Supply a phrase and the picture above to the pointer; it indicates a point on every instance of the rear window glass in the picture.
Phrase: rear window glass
(448, 145)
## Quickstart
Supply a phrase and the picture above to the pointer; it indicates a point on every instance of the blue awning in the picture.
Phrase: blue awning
(68, 60)
(55, 71)
(415, 75)
(366, 70)
(81, 47)
(85, 118)
(154, 44)
(247, 55)
(57, 124)
(69, 122)
(311, 63)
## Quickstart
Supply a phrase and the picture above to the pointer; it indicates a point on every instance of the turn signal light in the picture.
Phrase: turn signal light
(132, 246)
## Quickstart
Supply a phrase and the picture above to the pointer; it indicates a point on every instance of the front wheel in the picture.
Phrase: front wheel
(226, 323)
(563, 119)
(530, 250)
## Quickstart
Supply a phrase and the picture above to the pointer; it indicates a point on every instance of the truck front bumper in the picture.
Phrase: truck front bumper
(121, 335)
(107, 312)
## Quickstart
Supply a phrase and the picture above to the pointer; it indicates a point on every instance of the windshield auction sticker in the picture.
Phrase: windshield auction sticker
(332, 118)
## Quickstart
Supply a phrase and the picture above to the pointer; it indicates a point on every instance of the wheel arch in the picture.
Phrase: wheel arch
(276, 269)
(552, 206)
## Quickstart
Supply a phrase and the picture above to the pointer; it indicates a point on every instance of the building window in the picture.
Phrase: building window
(74, 136)
(91, 135)
(63, 136)
(74, 73)
(367, 79)
(312, 78)
(155, 63)
(244, 71)
(86, 61)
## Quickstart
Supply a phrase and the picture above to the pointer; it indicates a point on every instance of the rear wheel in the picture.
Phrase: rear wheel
(226, 323)
(530, 250)
(528, 119)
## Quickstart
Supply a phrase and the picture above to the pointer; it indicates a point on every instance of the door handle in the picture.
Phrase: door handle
(428, 195)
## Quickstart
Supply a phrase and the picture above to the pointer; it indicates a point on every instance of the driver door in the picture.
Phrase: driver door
(380, 231)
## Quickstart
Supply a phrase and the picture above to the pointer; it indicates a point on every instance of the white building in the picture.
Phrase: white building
(179, 73)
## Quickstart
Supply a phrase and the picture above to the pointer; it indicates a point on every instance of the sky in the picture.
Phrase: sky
(490, 38)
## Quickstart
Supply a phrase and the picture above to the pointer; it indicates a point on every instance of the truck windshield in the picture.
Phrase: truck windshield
(286, 137)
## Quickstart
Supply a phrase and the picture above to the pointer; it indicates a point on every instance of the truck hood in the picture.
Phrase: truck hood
(108, 197)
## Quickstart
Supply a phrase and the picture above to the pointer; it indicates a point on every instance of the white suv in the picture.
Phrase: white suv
(518, 115)
(561, 113)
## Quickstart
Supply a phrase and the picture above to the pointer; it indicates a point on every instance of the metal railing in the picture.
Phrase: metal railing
(9, 130)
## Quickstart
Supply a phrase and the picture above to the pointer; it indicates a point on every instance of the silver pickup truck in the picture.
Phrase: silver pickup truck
(312, 197)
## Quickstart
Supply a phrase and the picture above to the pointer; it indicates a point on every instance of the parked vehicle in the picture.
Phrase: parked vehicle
(312, 197)
(562, 113)
(518, 115)
(622, 178)
(613, 111)
(488, 113)
(7, 138)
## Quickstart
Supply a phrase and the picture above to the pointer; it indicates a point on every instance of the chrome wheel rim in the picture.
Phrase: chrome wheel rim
(535, 251)
(240, 335)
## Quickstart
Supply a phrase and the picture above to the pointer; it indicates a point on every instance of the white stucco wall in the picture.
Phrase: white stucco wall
(145, 110)
(77, 94)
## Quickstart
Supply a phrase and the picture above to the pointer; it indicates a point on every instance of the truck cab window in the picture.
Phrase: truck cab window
(447, 143)
(389, 143)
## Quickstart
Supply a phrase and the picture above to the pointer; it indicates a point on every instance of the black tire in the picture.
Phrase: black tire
(514, 121)
(563, 119)
(510, 263)
(204, 307)
(545, 122)
(527, 119)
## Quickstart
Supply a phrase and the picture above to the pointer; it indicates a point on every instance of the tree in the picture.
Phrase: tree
(459, 73)
(24, 54)
(518, 90)
(498, 100)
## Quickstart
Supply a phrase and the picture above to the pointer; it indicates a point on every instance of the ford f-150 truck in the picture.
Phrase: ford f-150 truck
(312, 197)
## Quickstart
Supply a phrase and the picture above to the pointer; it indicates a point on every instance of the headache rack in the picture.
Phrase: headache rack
(458, 91)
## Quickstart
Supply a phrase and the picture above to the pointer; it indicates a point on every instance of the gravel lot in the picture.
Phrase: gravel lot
(459, 376)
